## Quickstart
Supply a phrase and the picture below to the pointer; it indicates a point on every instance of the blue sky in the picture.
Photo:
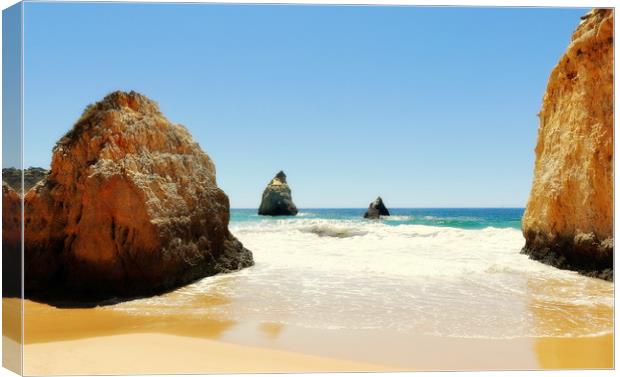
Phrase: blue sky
(427, 107)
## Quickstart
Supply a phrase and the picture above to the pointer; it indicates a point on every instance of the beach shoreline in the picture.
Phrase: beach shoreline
(106, 341)
(438, 301)
(155, 353)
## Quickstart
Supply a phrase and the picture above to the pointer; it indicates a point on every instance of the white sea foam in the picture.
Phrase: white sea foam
(364, 246)
(412, 278)
(306, 214)
(398, 218)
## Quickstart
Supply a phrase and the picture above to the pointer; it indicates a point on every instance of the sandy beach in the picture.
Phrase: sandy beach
(151, 353)
(72, 341)
(171, 354)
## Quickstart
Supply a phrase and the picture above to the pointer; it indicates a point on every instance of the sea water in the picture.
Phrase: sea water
(440, 272)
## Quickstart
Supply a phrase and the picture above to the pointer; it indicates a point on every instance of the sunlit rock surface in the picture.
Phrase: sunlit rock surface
(568, 221)
(130, 207)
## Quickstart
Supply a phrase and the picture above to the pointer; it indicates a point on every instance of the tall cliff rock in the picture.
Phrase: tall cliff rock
(568, 221)
(277, 199)
(130, 207)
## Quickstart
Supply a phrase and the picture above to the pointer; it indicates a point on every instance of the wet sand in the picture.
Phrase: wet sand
(171, 354)
(77, 341)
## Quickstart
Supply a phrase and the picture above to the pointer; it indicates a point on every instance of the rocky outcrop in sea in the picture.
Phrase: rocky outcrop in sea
(277, 199)
(376, 209)
(568, 222)
(130, 207)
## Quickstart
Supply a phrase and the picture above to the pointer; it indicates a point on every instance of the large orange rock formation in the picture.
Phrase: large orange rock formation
(568, 221)
(130, 207)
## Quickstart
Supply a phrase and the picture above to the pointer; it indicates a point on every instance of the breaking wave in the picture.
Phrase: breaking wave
(357, 274)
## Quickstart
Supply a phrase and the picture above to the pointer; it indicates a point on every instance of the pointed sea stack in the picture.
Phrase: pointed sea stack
(376, 209)
(568, 222)
(130, 208)
(277, 200)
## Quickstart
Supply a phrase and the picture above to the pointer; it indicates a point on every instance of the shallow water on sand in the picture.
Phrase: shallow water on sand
(318, 271)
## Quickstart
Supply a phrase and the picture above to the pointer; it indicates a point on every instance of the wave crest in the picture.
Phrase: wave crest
(329, 230)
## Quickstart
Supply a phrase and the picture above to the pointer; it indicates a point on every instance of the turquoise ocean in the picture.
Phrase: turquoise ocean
(464, 218)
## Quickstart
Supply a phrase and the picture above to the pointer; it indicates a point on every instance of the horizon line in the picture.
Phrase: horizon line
(393, 207)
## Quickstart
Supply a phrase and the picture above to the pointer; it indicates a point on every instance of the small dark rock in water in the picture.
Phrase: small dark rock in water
(32, 176)
(277, 200)
(376, 209)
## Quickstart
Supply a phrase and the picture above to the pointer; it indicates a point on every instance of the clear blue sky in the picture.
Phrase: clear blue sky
(423, 106)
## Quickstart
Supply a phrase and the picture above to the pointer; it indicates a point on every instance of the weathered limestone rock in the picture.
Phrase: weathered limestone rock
(11, 241)
(130, 207)
(376, 209)
(568, 222)
(277, 200)
(11, 224)
(32, 176)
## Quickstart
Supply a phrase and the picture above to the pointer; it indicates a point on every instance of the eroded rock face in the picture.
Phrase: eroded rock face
(568, 221)
(130, 207)
(32, 176)
(376, 209)
(11, 241)
(277, 200)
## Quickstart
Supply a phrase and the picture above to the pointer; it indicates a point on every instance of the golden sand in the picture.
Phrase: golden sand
(171, 354)
(595, 352)
(79, 341)
(83, 341)
(11, 334)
